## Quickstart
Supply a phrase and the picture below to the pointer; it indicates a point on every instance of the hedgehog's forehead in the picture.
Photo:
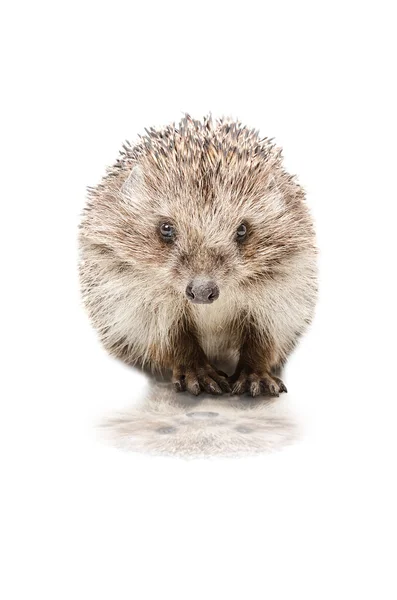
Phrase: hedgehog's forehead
(206, 193)
(194, 211)
(210, 203)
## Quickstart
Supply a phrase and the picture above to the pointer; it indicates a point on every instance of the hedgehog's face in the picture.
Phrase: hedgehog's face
(202, 254)
(203, 249)
(202, 245)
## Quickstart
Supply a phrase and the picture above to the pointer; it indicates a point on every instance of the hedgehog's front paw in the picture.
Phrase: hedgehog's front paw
(255, 384)
(200, 379)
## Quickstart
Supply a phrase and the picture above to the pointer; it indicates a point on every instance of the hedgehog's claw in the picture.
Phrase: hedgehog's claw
(200, 379)
(256, 384)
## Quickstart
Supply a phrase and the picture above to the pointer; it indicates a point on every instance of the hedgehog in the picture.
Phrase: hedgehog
(197, 249)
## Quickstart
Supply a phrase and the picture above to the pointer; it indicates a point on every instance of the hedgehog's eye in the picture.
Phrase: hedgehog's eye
(167, 231)
(241, 232)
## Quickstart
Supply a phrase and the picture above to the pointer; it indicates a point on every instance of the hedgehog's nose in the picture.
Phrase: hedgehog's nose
(200, 291)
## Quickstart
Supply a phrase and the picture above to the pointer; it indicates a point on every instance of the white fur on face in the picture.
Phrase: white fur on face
(142, 312)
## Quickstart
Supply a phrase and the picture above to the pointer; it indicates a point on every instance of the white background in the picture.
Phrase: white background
(82, 520)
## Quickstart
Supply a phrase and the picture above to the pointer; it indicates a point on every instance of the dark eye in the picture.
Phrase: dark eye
(241, 232)
(167, 231)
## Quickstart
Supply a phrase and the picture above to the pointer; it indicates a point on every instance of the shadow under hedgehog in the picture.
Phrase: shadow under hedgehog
(197, 248)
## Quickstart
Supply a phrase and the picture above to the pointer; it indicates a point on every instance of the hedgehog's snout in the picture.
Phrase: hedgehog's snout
(202, 291)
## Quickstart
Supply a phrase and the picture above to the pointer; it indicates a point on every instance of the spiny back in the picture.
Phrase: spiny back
(223, 149)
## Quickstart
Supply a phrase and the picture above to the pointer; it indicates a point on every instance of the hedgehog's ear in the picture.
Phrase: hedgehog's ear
(275, 197)
(133, 182)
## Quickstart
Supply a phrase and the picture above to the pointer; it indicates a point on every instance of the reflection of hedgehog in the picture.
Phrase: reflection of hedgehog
(183, 426)
(198, 246)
